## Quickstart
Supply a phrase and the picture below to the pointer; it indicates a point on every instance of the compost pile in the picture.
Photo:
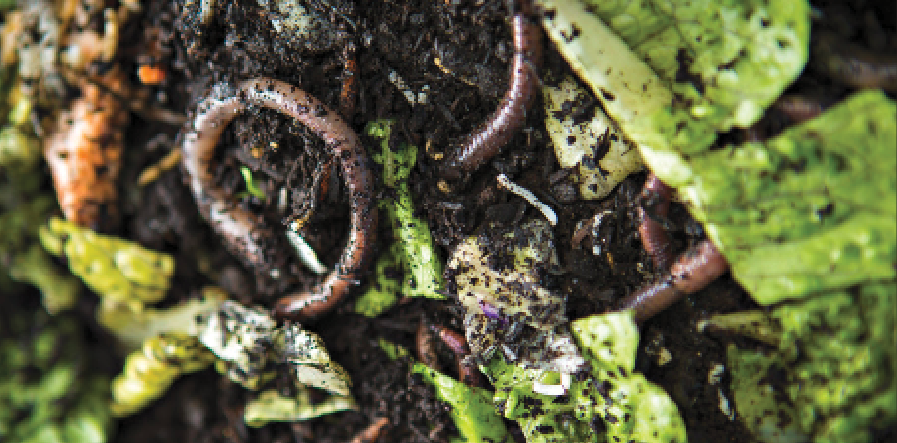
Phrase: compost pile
(107, 235)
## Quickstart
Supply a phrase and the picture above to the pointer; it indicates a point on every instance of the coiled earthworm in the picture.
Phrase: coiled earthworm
(469, 374)
(853, 65)
(654, 204)
(488, 139)
(693, 270)
(245, 234)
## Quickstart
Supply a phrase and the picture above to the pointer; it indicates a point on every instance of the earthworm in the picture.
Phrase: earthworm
(488, 139)
(372, 433)
(791, 109)
(654, 203)
(469, 374)
(854, 65)
(799, 108)
(349, 93)
(693, 270)
(245, 234)
(426, 352)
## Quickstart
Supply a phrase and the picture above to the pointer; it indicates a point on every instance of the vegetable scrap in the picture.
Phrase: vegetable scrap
(599, 153)
(150, 371)
(805, 294)
(110, 266)
(304, 252)
(84, 146)
(834, 358)
(272, 406)
(609, 401)
(741, 56)
(642, 410)
(252, 350)
(496, 278)
(84, 153)
(472, 409)
(413, 251)
(248, 343)
(133, 323)
(756, 403)
(828, 202)
(388, 282)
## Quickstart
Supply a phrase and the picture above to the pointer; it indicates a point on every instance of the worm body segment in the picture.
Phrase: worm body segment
(426, 350)
(799, 108)
(655, 203)
(488, 139)
(469, 374)
(348, 96)
(693, 270)
(245, 234)
(854, 65)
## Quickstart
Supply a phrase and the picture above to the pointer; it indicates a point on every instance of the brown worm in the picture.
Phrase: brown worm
(488, 139)
(426, 351)
(799, 108)
(792, 109)
(373, 432)
(348, 96)
(693, 270)
(655, 204)
(245, 234)
(468, 374)
(854, 65)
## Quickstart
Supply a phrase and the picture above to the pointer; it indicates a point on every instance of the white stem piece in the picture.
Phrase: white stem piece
(306, 254)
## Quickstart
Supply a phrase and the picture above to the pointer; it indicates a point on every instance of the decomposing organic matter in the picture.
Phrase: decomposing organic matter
(780, 177)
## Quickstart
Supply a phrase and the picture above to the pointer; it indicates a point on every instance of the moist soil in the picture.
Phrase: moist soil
(457, 53)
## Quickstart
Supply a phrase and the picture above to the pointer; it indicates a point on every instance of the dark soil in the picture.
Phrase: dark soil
(472, 41)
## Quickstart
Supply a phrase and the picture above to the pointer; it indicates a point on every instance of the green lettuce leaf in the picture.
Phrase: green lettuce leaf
(811, 209)
(418, 254)
(472, 409)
